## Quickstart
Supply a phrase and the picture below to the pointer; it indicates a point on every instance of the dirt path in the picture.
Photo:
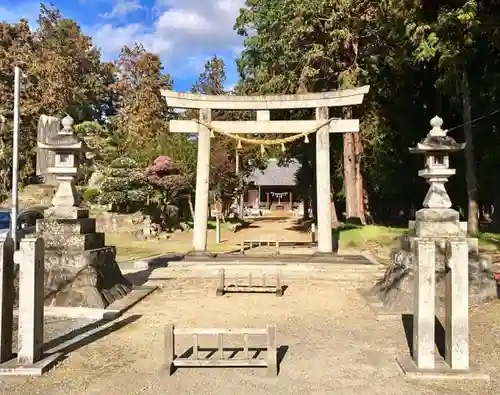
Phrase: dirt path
(335, 346)
(262, 228)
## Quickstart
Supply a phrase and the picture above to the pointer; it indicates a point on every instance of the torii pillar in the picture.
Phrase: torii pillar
(263, 125)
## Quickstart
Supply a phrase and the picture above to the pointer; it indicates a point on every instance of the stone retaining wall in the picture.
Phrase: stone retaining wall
(114, 222)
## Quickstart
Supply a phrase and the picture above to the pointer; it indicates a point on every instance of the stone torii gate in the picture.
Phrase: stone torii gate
(263, 125)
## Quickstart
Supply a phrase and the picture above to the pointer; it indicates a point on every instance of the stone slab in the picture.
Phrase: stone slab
(113, 311)
(441, 372)
(378, 308)
(12, 368)
(75, 241)
(72, 226)
(66, 213)
(282, 258)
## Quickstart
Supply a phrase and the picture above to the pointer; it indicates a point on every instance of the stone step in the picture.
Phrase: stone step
(349, 272)
(63, 241)
(66, 226)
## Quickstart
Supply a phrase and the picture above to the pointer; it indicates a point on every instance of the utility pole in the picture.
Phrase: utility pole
(15, 156)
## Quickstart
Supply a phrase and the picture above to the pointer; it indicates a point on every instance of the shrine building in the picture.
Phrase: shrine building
(272, 188)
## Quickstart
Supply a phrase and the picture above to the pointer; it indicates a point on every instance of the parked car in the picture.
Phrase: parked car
(26, 221)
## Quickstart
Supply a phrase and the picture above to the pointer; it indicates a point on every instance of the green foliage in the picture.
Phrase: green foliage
(124, 187)
(90, 195)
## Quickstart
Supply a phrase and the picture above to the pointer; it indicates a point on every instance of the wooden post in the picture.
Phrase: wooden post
(291, 201)
(217, 229)
(6, 298)
(220, 345)
(195, 346)
(279, 287)
(220, 286)
(242, 247)
(170, 348)
(272, 352)
(277, 247)
(245, 347)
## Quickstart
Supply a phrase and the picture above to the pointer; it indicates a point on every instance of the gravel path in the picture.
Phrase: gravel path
(334, 346)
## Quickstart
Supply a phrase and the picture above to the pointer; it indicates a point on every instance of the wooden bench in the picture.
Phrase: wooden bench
(250, 286)
(219, 359)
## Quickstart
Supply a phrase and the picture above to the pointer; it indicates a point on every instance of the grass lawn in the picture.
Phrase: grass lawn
(128, 248)
(368, 236)
(374, 235)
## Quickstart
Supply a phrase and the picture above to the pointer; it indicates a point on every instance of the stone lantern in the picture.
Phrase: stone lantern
(66, 148)
(437, 218)
(437, 231)
(80, 270)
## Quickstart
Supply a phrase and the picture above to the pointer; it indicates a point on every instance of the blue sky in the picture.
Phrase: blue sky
(185, 33)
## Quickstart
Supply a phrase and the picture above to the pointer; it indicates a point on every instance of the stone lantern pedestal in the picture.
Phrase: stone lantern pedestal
(437, 229)
(80, 271)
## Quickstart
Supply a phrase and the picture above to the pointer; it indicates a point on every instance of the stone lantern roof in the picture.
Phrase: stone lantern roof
(64, 139)
(437, 140)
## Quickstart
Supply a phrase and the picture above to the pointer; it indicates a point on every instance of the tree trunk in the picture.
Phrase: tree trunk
(353, 179)
(306, 201)
(361, 196)
(470, 162)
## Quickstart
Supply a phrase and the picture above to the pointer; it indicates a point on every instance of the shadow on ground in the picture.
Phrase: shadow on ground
(87, 334)
(141, 277)
(439, 333)
(257, 351)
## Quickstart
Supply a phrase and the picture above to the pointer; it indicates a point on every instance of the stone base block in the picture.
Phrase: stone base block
(66, 226)
(12, 368)
(407, 240)
(66, 213)
(438, 229)
(114, 310)
(441, 371)
(200, 255)
(84, 279)
(437, 215)
(319, 254)
(61, 241)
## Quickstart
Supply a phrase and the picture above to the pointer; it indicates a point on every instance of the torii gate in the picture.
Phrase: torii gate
(263, 125)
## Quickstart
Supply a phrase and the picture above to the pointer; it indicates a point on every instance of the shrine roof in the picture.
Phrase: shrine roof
(274, 175)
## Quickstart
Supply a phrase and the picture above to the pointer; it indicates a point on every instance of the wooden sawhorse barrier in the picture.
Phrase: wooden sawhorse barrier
(219, 359)
(250, 244)
(249, 287)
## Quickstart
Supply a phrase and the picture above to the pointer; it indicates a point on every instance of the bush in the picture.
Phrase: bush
(124, 186)
(90, 195)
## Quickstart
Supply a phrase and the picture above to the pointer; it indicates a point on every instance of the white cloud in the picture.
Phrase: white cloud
(122, 8)
(111, 39)
(184, 32)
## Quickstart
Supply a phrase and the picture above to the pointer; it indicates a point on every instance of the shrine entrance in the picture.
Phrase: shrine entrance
(322, 126)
